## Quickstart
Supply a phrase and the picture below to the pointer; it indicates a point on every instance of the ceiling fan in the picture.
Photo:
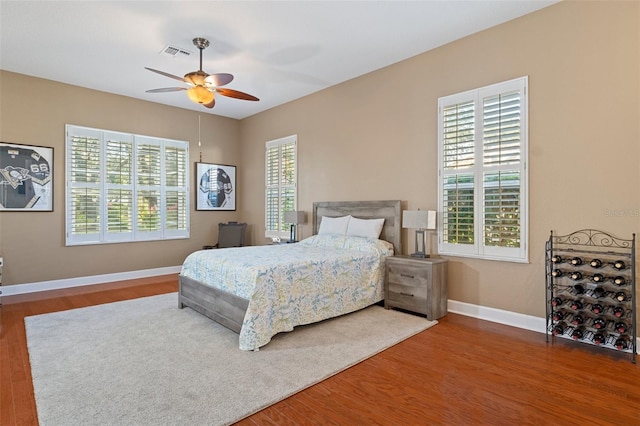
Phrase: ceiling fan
(203, 87)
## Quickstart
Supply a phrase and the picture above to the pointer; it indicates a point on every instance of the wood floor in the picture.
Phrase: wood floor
(461, 372)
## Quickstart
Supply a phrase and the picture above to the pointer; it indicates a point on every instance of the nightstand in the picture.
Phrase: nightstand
(417, 285)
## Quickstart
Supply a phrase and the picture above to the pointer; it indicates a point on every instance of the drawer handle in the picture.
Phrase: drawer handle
(407, 275)
(406, 294)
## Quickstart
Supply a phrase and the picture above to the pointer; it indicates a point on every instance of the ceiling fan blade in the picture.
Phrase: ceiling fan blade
(210, 104)
(236, 94)
(219, 79)
(166, 89)
(166, 74)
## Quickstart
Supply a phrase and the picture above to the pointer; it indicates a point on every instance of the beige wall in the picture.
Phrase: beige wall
(375, 137)
(35, 111)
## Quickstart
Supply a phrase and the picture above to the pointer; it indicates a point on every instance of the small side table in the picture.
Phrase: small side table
(417, 285)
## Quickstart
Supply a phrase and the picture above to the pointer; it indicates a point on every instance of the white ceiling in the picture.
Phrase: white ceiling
(277, 50)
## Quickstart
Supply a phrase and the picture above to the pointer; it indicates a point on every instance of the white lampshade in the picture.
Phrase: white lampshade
(419, 219)
(295, 217)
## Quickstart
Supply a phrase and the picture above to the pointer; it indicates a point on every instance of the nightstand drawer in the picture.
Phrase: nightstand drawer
(408, 297)
(408, 275)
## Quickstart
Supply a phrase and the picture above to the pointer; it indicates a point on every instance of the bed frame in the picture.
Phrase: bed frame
(229, 310)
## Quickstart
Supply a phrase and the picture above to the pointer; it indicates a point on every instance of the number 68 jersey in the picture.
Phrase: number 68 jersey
(23, 174)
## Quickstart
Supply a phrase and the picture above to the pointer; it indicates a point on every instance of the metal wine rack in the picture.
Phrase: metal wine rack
(590, 302)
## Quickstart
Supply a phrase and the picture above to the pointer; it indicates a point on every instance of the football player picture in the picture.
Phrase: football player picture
(216, 184)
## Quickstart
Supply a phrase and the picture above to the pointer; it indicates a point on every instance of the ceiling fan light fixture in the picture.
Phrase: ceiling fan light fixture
(197, 78)
(203, 86)
(200, 94)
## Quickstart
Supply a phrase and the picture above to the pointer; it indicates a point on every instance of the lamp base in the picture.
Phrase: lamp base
(292, 234)
(420, 255)
(420, 241)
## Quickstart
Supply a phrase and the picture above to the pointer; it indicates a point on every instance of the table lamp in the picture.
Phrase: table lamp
(294, 217)
(420, 220)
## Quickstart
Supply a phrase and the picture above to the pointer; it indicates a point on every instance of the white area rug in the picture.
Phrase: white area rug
(146, 362)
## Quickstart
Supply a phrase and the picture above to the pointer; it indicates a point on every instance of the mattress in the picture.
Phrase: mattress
(287, 285)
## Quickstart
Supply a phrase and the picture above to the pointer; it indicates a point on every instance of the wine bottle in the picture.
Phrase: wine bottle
(597, 308)
(598, 338)
(619, 264)
(599, 292)
(596, 263)
(558, 316)
(578, 289)
(621, 343)
(577, 319)
(578, 333)
(599, 323)
(558, 329)
(576, 261)
(619, 280)
(557, 301)
(556, 259)
(621, 296)
(618, 312)
(620, 327)
(597, 278)
(576, 276)
(576, 305)
(556, 273)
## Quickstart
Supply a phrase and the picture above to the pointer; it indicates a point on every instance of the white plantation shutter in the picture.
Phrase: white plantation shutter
(123, 187)
(501, 129)
(176, 189)
(458, 207)
(458, 156)
(84, 198)
(503, 166)
(119, 186)
(502, 209)
(459, 136)
(149, 219)
(280, 182)
(482, 172)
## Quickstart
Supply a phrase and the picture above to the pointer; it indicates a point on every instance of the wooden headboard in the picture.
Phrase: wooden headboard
(387, 209)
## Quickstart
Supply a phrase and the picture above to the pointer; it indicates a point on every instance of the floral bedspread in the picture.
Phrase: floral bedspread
(320, 277)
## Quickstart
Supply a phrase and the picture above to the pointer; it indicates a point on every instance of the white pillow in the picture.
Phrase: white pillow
(334, 225)
(368, 228)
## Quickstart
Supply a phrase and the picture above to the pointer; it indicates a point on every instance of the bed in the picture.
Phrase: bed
(259, 291)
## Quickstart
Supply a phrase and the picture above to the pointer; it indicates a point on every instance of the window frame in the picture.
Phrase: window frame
(479, 248)
(284, 231)
(174, 226)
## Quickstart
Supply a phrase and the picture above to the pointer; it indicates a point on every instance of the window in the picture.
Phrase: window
(482, 176)
(123, 187)
(280, 184)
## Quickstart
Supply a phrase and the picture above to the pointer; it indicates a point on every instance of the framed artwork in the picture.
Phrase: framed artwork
(26, 178)
(216, 187)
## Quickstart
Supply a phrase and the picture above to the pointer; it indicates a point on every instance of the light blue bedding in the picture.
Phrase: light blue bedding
(320, 277)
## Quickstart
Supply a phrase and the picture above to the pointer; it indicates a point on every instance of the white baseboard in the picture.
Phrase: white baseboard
(512, 319)
(509, 318)
(90, 280)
